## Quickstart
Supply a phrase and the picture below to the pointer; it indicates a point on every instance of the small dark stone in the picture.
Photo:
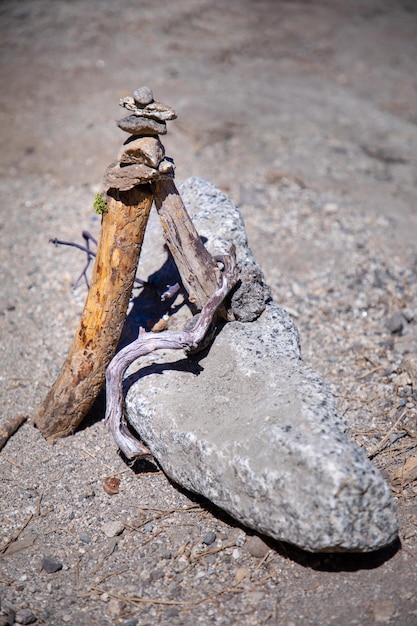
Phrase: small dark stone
(257, 547)
(136, 125)
(250, 296)
(25, 616)
(209, 538)
(85, 538)
(157, 574)
(51, 565)
(143, 96)
(396, 322)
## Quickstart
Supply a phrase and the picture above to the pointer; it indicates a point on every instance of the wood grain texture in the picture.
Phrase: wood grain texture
(83, 374)
(198, 270)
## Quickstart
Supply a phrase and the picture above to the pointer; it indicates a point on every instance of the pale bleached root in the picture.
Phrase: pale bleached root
(146, 343)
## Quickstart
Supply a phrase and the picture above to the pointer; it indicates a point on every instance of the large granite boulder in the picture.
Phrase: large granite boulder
(251, 427)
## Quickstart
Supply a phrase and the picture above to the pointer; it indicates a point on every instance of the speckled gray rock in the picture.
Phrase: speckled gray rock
(251, 427)
(143, 96)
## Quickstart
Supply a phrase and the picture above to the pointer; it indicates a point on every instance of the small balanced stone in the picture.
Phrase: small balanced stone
(146, 150)
(136, 125)
(143, 96)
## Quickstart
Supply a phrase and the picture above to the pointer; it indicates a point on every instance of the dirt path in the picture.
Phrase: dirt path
(305, 113)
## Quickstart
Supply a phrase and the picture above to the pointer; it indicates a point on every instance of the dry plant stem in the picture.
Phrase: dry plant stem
(150, 342)
(198, 270)
(379, 446)
(83, 373)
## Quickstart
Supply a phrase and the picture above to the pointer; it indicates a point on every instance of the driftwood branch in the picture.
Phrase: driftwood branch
(150, 342)
(83, 373)
(198, 270)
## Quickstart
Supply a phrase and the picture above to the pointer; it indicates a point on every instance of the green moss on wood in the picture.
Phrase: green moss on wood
(100, 204)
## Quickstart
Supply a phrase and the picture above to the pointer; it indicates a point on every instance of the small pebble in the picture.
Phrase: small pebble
(395, 323)
(113, 607)
(85, 538)
(51, 565)
(330, 207)
(25, 616)
(240, 539)
(143, 96)
(255, 596)
(148, 528)
(210, 559)
(132, 621)
(242, 573)
(113, 529)
(256, 547)
(157, 574)
(209, 538)
(409, 314)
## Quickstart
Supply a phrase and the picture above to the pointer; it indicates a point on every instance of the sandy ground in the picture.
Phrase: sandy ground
(305, 114)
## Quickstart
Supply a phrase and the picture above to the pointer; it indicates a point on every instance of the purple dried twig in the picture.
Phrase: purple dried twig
(90, 256)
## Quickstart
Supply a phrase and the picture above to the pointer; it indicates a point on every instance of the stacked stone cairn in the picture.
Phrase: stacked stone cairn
(142, 156)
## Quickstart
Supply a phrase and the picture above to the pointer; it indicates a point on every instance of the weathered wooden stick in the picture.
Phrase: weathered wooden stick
(150, 342)
(198, 269)
(83, 373)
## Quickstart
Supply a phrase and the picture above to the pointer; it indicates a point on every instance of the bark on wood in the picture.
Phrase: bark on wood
(83, 373)
(146, 343)
(198, 269)
(9, 427)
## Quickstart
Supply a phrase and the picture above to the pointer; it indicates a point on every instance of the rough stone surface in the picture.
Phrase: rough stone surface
(251, 427)
(147, 150)
(136, 125)
(143, 96)
(126, 177)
